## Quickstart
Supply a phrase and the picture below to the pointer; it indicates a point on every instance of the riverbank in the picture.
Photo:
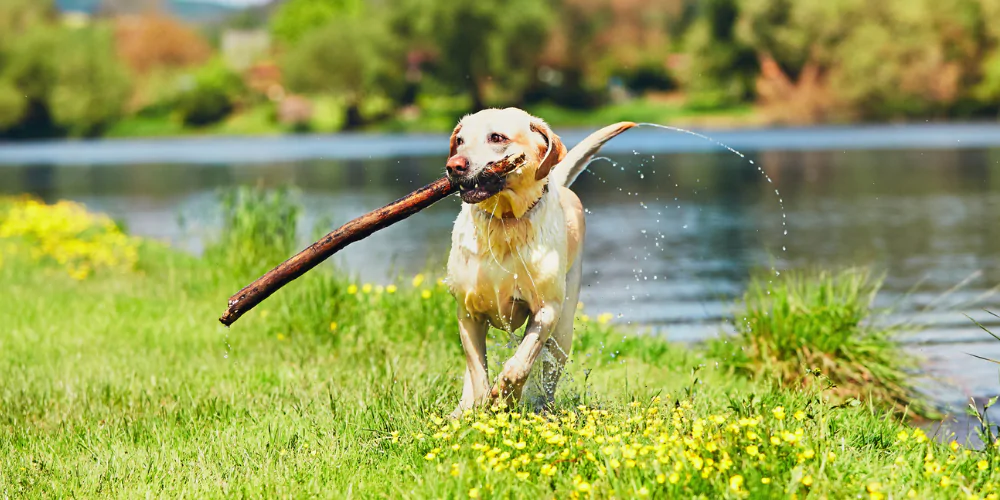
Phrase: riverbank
(260, 120)
(378, 145)
(123, 383)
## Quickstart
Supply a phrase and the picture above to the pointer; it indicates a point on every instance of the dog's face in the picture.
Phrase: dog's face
(486, 137)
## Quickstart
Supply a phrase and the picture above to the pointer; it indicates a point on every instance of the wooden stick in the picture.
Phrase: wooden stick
(357, 229)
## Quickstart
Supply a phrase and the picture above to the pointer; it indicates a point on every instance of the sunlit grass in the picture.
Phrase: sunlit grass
(800, 323)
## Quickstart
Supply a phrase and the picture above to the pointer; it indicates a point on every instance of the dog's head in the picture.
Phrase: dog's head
(489, 136)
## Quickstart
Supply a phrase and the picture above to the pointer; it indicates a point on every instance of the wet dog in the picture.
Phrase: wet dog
(516, 248)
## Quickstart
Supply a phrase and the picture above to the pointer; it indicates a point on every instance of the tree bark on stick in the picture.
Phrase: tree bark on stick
(357, 229)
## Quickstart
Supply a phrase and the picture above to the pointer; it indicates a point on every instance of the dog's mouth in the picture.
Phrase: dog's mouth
(490, 181)
(480, 188)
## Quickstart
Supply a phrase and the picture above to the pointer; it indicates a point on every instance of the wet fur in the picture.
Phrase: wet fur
(516, 256)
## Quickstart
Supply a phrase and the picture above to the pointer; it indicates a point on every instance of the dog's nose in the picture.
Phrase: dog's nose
(457, 166)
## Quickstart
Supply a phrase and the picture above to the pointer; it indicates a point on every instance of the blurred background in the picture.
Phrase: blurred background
(120, 68)
(868, 130)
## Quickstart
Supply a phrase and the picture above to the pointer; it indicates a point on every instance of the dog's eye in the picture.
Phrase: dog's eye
(495, 137)
(459, 141)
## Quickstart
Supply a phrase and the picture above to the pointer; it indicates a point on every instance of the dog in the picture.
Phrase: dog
(516, 249)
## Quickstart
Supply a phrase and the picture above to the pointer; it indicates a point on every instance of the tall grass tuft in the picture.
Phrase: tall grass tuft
(258, 229)
(819, 327)
(987, 431)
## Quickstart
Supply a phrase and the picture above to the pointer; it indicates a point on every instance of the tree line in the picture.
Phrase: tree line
(797, 61)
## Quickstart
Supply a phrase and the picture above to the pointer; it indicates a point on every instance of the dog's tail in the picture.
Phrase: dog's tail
(577, 158)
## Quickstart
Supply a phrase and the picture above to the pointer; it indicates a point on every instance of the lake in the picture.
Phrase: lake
(676, 223)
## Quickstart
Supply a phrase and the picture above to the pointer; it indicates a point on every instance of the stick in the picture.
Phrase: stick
(357, 229)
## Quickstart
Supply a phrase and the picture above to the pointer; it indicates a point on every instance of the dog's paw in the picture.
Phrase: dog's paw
(506, 390)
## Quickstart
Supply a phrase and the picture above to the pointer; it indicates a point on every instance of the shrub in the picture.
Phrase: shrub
(149, 41)
(91, 87)
(351, 60)
(67, 235)
(211, 95)
(801, 323)
(13, 105)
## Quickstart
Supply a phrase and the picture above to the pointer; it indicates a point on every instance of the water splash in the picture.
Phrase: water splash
(781, 202)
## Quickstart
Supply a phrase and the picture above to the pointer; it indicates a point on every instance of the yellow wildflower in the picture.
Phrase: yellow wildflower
(735, 482)
(752, 450)
(367, 288)
(417, 280)
(661, 478)
(352, 289)
(523, 476)
(807, 481)
(474, 493)
(800, 415)
(674, 478)
(765, 480)
(390, 289)
(426, 294)
(983, 465)
(604, 318)
(953, 445)
(779, 412)
(548, 470)
(643, 492)
(333, 326)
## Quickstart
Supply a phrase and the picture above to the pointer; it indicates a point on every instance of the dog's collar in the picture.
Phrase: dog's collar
(510, 215)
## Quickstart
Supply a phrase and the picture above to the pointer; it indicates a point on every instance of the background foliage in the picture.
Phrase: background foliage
(419, 64)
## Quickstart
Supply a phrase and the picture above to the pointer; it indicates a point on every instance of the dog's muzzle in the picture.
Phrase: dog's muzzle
(480, 188)
(487, 183)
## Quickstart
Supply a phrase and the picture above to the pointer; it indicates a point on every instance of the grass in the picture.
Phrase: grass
(822, 322)
(123, 384)
(437, 114)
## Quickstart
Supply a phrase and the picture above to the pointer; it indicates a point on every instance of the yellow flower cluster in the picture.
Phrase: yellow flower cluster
(369, 289)
(78, 241)
(653, 448)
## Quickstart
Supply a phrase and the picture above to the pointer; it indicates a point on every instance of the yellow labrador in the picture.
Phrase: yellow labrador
(516, 248)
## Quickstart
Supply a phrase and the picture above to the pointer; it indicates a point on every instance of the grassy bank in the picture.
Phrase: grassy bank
(119, 382)
(438, 115)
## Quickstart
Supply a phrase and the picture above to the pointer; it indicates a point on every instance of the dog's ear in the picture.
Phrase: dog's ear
(453, 142)
(554, 150)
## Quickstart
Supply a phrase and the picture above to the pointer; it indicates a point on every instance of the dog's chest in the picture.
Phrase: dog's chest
(497, 264)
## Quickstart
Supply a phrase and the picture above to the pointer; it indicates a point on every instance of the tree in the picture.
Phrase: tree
(347, 58)
(722, 67)
(490, 52)
(91, 86)
(295, 19)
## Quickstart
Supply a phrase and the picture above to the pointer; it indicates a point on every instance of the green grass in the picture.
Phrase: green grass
(437, 114)
(125, 385)
(823, 322)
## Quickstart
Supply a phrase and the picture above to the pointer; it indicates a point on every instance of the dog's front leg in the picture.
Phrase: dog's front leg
(518, 367)
(472, 331)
